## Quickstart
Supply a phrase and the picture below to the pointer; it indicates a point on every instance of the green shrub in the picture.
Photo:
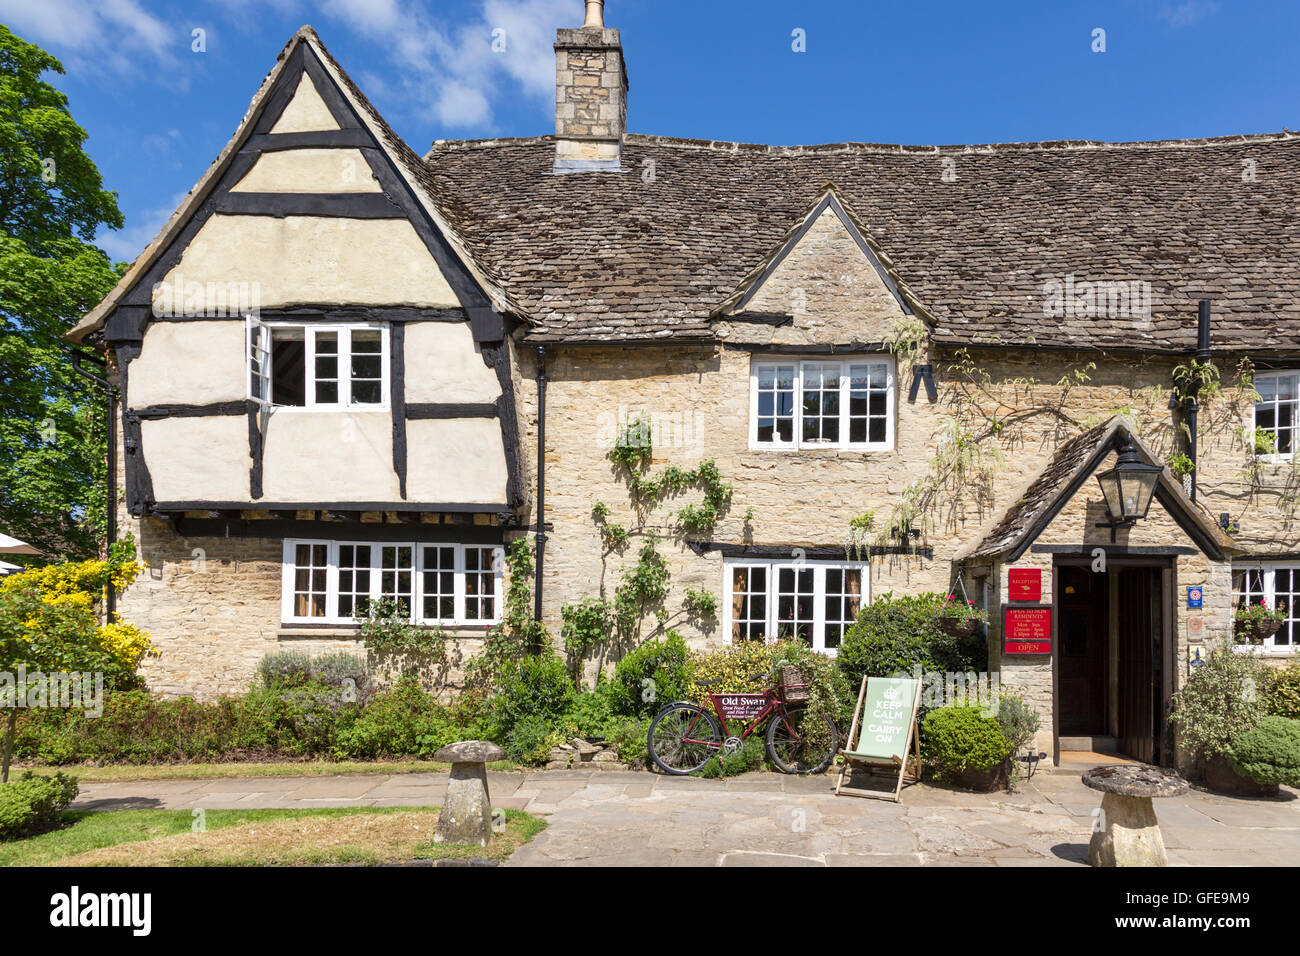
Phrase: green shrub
(396, 723)
(731, 666)
(651, 677)
(628, 736)
(590, 714)
(299, 720)
(748, 757)
(532, 687)
(893, 635)
(1268, 753)
(33, 804)
(1018, 720)
(340, 670)
(1224, 696)
(1284, 693)
(530, 740)
(955, 739)
(284, 667)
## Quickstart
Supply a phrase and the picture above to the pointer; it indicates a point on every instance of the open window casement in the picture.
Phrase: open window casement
(258, 339)
(315, 366)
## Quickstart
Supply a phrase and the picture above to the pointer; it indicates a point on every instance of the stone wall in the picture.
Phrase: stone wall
(214, 625)
(698, 403)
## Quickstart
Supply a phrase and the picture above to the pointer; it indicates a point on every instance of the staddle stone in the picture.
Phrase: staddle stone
(466, 815)
(1128, 834)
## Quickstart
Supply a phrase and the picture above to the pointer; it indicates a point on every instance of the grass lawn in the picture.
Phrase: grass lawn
(88, 773)
(316, 836)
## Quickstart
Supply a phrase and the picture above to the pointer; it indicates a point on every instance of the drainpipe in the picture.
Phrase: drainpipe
(541, 482)
(110, 596)
(1193, 407)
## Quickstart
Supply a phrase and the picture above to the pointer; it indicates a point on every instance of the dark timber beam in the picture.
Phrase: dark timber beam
(426, 410)
(330, 205)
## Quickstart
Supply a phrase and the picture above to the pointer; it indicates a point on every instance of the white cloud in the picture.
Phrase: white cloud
(127, 243)
(436, 70)
(454, 73)
(1187, 12)
(95, 35)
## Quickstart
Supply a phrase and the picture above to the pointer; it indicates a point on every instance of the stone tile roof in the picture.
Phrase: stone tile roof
(1073, 462)
(1028, 509)
(649, 253)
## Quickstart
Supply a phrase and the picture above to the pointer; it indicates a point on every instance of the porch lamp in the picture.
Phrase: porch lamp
(1127, 488)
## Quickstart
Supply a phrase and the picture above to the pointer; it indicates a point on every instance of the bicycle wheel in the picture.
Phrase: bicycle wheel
(799, 744)
(682, 738)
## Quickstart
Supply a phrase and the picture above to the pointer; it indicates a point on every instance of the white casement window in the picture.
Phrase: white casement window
(1275, 412)
(317, 366)
(819, 403)
(335, 582)
(814, 601)
(1271, 583)
(258, 338)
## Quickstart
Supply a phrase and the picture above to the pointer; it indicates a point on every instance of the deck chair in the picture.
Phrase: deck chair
(884, 728)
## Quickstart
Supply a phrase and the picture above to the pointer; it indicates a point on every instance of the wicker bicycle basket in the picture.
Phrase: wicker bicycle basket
(794, 689)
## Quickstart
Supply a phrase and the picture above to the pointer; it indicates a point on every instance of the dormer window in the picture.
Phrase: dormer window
(841, 403)
(317, 366)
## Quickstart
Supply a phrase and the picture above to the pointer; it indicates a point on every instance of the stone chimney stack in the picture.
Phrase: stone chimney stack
(590, 95)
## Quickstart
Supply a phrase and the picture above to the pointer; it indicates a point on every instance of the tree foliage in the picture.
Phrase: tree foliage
(52, 201)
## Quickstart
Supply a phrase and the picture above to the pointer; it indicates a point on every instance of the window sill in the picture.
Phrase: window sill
(308, 632)
(1252, 650)
(822, 449)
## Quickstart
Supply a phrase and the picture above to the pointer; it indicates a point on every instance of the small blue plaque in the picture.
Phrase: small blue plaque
(1194, 596)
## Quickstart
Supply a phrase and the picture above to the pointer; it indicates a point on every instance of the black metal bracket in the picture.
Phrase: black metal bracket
(1114, 525)
(923, 373)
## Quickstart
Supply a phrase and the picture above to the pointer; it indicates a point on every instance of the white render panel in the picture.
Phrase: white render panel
(328, 456)
(197, 459)
(190, 362)
(309, 260)
(455, 460)
(443, 364)
(310, 171)
(306, 111)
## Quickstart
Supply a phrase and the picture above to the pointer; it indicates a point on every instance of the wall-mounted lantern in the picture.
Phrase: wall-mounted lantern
(1127, 488)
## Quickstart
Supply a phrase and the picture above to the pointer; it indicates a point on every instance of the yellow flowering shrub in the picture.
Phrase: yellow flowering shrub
(127, 643)
(80, 585)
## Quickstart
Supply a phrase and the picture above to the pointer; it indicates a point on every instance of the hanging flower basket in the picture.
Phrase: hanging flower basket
(1257, 632)
(958, 618)
(1257, 622)
(957, 627)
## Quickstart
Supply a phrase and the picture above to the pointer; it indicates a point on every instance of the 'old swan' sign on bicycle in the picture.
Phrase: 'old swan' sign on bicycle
(887, 714)
(740, 706)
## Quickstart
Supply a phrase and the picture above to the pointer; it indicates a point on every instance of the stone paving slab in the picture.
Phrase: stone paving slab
(644, 819)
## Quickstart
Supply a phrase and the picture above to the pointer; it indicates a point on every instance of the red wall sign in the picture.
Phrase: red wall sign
(1027, 630)
(1025, 584)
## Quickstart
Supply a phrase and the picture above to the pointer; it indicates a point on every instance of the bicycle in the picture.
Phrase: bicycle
(683, 736)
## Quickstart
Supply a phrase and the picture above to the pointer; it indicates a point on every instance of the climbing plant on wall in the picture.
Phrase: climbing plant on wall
(643, 586)
(519, 633)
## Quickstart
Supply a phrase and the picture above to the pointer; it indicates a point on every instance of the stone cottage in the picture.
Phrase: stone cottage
(351, 372)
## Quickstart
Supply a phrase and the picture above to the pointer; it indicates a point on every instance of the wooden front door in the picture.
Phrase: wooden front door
(1082, 609)
(1139, 613)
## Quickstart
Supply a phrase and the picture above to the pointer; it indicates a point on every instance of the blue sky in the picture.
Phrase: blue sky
(158, 112)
